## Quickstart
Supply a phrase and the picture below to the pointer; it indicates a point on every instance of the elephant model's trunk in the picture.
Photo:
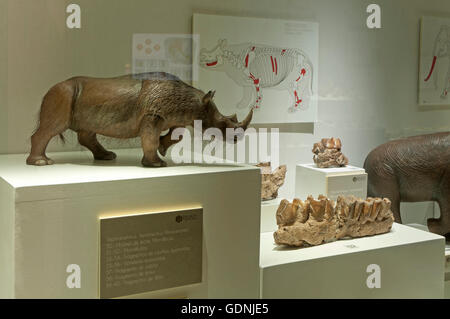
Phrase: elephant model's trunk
(431, 69)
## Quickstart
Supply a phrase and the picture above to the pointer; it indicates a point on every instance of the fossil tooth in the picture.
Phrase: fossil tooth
(365, 212)
(385, 209)
(285, 214)
(376, 207)
(327, 153)
(317, 209)
(302, 210)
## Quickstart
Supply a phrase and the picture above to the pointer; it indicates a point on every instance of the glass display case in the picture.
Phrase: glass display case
(224, 149)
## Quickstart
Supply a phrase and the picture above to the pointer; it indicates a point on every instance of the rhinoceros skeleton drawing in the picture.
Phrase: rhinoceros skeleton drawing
(255, 67)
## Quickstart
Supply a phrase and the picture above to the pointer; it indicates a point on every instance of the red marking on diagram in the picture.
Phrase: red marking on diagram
(297, 100)
(255, 80)
(274, 64)
(302, 73)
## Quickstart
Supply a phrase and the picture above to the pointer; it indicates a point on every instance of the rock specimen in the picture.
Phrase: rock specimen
(413, 169)
(314, 222)
(271, 181)
(327, 153)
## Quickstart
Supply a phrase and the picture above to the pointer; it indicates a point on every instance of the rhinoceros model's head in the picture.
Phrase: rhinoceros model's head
(217, 120)
(441, 47)
(213, 59)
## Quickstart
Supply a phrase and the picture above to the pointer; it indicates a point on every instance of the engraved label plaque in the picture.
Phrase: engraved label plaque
(151, 251)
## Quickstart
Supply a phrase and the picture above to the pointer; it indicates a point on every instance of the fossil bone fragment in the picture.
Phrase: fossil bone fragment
(317, 221)
(327, 153)
(271, 181)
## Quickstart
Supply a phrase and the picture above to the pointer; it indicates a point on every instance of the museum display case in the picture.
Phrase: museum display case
(251, 149)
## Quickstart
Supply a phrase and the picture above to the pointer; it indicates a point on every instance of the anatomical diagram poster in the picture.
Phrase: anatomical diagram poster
(172, 53)
(265, 64)
(434, 71)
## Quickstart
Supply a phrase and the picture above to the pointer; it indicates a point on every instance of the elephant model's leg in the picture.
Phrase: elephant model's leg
(386, 188)
(89, 140)
(166, 141)
(54, 119)
(151, 128)
(441, 225)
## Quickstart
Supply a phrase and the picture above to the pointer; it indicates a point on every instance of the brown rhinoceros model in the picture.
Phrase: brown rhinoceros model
(129, 106)
(413, 169)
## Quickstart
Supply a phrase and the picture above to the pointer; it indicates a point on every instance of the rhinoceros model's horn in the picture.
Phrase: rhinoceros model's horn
(244, 124)
(208, 97)
(431, 69)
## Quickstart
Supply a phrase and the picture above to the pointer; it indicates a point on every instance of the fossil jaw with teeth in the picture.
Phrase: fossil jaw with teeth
(327, 153)
(317, 221)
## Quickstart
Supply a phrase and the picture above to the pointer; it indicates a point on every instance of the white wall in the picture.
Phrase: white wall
(367, 78)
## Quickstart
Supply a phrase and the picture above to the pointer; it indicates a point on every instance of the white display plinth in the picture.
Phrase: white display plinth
(447, 271)
(268, 212)
(447, 261)
(49, 219)
(331, 182)
(410, 261)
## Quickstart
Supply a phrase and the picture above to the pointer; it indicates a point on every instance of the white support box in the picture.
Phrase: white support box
(49, 219)
(331, 182)
(447, 271)
(268, 212)
(410, 262)
(447, 261)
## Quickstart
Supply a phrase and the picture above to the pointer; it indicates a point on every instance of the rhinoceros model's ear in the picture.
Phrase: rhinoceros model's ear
(208, 97)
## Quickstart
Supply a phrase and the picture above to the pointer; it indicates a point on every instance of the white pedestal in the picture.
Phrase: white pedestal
(49, 218)
(331, 182)
(410, 261)
(447, 261)
(268, 215)
(447, 272)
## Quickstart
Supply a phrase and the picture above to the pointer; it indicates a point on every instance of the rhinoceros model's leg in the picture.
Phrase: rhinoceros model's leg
(54, 118)
(166, 141)
(151, 128)
(39, 142)
(441, 225)
(89, 140)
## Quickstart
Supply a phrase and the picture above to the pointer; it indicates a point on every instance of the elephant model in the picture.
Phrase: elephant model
(413, 169)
